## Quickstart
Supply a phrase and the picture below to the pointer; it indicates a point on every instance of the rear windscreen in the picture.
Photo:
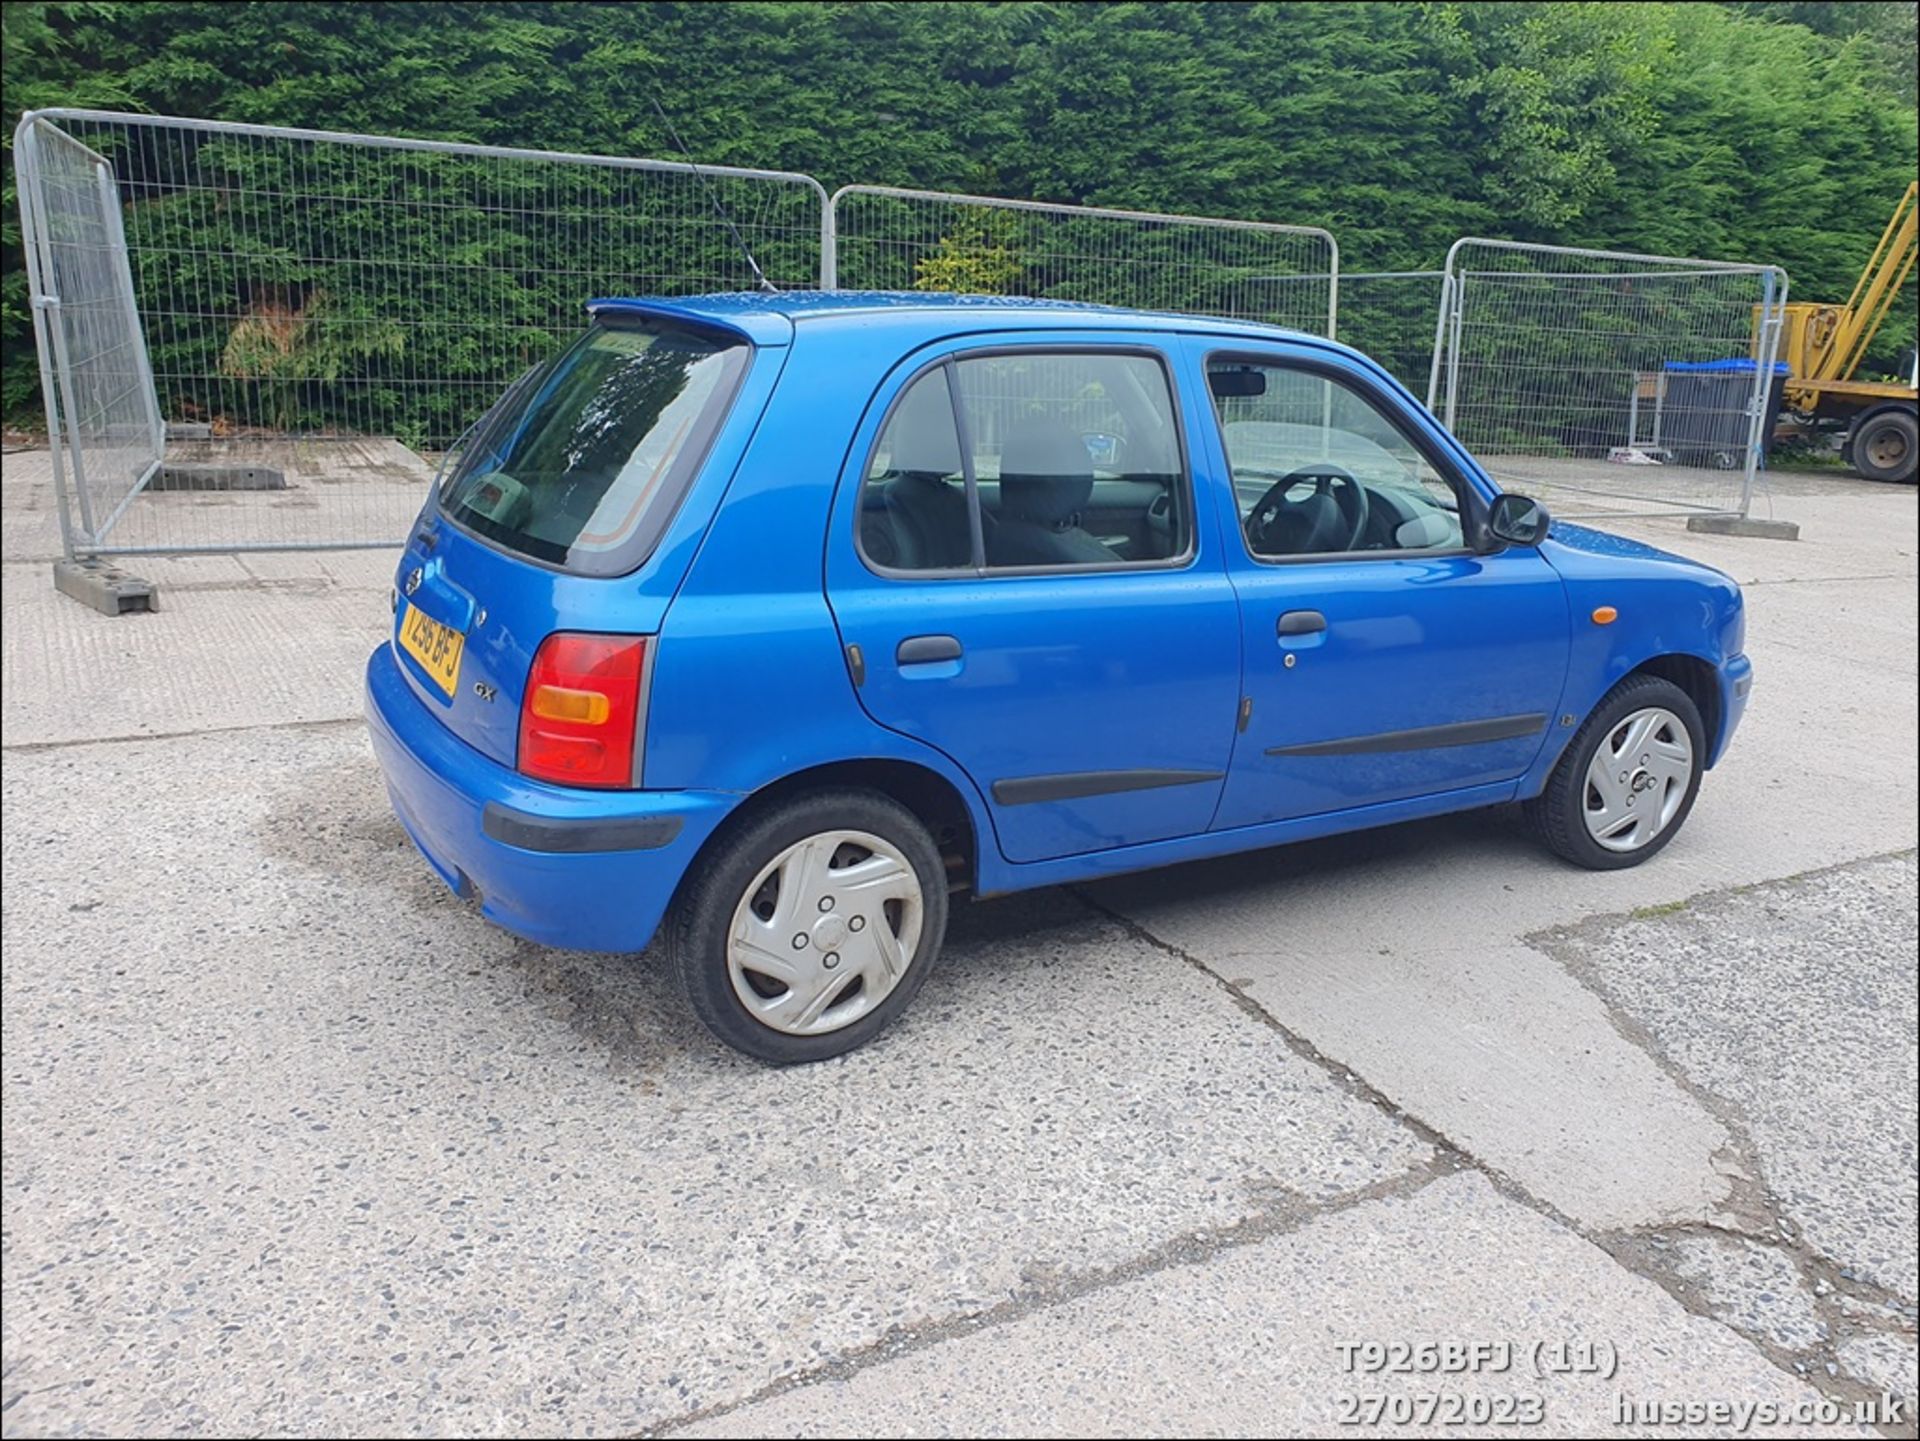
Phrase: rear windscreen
(583, 463)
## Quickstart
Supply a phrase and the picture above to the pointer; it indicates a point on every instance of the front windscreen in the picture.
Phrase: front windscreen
(586, 464)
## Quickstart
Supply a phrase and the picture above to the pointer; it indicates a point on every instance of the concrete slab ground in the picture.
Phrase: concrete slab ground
(238, 640)
(353, 490)
(295, 1143)
(1250, 1343)
(1776, 1035)
(231, 1139)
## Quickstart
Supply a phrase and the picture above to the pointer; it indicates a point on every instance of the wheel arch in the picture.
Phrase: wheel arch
(934, 799)
(1697, 677)
(1886, 407)
(1562, 814)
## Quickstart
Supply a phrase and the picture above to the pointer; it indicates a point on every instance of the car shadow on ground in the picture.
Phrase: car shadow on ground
(630, 1008)
(1486, 836)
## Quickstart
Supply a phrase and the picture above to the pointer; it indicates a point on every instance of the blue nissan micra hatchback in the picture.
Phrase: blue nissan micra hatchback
(779, 620)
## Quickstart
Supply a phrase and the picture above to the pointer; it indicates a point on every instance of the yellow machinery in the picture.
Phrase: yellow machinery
(1823, 346)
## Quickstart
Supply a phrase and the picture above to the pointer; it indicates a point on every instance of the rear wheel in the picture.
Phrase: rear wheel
(1884, 447)
(1628, 778)
(812, 926)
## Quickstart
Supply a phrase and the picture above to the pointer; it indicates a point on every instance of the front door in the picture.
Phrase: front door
(1018, 563)
(1384, 659)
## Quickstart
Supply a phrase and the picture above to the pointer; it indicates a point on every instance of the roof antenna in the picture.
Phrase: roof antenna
(764, 285)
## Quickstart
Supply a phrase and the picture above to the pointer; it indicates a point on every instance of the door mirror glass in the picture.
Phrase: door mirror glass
(1518, 520)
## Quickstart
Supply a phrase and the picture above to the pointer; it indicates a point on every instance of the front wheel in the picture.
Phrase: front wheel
(1628, 778)
(811, 927)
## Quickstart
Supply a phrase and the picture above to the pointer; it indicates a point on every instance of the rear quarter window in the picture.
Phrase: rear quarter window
(584, 468)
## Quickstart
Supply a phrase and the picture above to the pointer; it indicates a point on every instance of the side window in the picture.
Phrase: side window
(913, 502)
(1319, 469)
(1077, 458)
(1054, 460)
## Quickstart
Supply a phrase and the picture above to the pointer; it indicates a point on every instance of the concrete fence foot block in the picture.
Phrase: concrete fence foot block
(1744, 525)
(217, 477)
(104, 586)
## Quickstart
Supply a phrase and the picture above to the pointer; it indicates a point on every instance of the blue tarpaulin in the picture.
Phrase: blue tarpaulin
(1740, 367)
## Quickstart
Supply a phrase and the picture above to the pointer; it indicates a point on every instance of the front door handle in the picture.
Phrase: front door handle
(1301, 622)
(926, 649)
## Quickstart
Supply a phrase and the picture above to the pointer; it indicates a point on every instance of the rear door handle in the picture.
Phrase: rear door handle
(926, 649)
(1301, 622)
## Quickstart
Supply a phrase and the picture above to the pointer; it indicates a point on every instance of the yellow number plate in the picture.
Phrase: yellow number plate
(437, 647)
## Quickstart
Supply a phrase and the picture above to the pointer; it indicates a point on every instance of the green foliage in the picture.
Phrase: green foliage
(1755, 131)
(976, 257)
(1560, 91)
(287, 349)
(1881, 33)
(39, 66)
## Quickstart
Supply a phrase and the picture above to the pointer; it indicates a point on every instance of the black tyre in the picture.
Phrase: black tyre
(1628, 778)
(810, 926)
(1885, 445)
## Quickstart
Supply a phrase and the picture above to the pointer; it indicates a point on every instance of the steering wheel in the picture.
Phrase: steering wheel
(1316, 523)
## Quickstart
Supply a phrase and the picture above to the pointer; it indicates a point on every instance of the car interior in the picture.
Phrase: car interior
(1076, 471)
(1317, 469)
(1071, 470)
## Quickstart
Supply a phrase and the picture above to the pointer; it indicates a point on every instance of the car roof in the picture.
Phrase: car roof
(767, 317)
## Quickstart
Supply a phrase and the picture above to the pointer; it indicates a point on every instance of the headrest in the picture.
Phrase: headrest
(1045, 473)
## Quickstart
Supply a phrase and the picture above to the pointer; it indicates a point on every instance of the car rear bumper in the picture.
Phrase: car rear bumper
(585, 870)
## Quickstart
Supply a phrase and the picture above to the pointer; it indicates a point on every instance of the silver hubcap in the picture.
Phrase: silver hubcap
(1638, 779)
(825, 932)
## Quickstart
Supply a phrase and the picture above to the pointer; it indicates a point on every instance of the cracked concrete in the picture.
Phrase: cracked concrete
(1753, 1288)
(1045, 1294)
(1248, 1344)
(285, 1120)
(1805, 1313)
(1744, 993)
(1513, 1060)
(296, 1144)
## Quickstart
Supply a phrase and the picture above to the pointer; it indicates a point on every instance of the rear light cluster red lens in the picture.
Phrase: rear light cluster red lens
(581, 710)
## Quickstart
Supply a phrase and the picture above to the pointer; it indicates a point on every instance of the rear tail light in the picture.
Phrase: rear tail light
(581, 711)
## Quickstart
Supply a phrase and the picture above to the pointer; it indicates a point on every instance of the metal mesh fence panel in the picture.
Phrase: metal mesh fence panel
(1606, 382)
(890, 239)
(324, 312)
(1388, 314)
(94, 367)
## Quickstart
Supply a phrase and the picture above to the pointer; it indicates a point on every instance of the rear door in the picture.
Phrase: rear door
(1023, 580)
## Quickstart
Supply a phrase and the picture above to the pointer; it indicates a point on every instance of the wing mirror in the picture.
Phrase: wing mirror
(1518, 520)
